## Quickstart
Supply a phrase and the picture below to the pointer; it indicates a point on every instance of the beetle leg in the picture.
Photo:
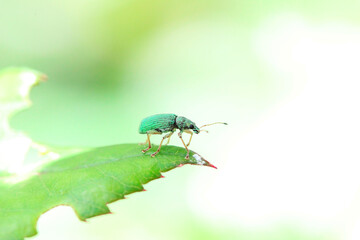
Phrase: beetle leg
(169, 138)
(166, 136)
(147, 141)
(180, 136)
(144, 143)
(191, 134)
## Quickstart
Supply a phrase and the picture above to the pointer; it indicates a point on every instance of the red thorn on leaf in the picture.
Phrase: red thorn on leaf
(210, 165)
(180, 165)
(162, 176)
(144, 190)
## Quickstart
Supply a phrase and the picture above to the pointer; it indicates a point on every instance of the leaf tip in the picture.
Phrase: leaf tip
(199, 160)
(210, 165)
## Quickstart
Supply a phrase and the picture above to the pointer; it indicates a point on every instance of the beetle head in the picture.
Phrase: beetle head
(183, 123)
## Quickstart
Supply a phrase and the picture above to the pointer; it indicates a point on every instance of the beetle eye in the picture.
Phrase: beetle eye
(191, 126)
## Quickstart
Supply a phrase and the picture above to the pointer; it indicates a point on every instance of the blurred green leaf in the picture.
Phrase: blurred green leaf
(87, 182)
(15, 86)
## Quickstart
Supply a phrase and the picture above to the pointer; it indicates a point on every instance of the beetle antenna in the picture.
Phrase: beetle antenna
(204, 131)
(213, 124)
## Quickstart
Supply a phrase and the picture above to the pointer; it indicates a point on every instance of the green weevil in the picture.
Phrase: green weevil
(168, 123)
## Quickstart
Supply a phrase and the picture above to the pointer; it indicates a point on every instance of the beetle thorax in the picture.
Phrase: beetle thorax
(183, 123)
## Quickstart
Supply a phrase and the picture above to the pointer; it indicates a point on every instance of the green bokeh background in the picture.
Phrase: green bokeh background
(111, 63)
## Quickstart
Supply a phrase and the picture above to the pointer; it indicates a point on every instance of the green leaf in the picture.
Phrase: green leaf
(87, 182)
(15, 86)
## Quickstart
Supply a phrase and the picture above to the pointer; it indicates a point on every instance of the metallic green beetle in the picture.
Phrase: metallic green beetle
(163, 123)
